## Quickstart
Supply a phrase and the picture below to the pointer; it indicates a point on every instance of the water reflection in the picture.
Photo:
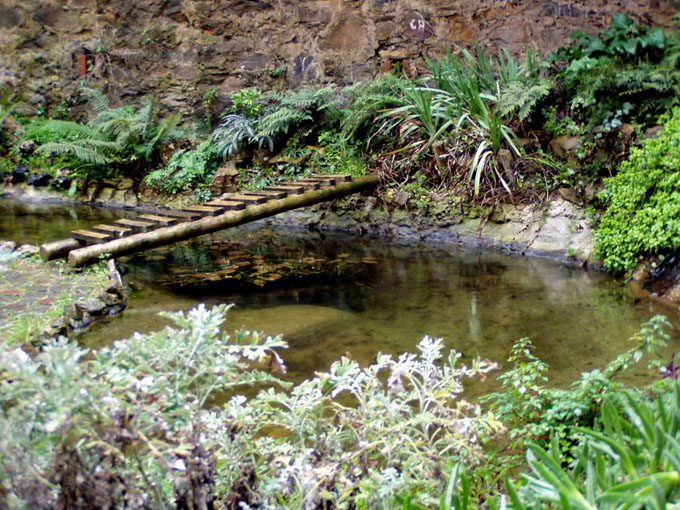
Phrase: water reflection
(344, 294)
(389, 296)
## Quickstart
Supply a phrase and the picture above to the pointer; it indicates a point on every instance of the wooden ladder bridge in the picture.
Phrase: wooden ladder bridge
(125, 236)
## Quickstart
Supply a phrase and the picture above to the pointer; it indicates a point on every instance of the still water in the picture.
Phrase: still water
(331, 294)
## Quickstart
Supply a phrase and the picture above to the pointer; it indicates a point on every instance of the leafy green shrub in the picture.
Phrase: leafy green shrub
(186, 170)
(533, 410)
(336, 156)
(642, 215)
(626, 72)
(245, 102)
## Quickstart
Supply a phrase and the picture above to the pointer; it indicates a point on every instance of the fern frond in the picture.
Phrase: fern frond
(159, 178)
(147, 113)
(53, 130)
(520, 97)
(96, 100)
(124, 112)
(84, 154)
(166, 131)
(368, 100)
(277, 122)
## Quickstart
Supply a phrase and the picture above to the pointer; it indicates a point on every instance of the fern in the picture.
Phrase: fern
(294, 108)
(167, 130)
(278, 121)
(368, 101)
(96, 100)
(185, 169)
(304, 98)
(287, 111)
(122, 135)
(86, 151)
(522, 98)
(61, 130)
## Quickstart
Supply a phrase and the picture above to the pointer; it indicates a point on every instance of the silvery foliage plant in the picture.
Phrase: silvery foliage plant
(142, 424)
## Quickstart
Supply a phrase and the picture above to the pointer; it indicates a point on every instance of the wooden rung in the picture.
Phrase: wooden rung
(249, 199)
(327, 181)
(308, 184)
(289, 188)
(228, 205)
(335, 177)
(164, 221)
(90, 237)
(114, 230)
(269, 195)
(205, 211)
(136, 225)
(183, 215)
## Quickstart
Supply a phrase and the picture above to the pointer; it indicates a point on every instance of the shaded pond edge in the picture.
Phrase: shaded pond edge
(559, 231)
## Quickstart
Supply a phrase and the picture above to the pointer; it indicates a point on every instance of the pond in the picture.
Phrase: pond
(332, 294)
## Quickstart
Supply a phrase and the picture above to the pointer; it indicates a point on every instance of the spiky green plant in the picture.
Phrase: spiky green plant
(234, 132)
(466, 109)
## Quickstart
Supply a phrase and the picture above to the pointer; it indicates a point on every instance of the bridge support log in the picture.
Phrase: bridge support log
(59, 249)
(167, 235)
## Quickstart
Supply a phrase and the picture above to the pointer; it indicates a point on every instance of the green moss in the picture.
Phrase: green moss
(643, 202)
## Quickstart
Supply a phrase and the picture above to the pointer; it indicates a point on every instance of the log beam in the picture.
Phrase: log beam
(59, 249)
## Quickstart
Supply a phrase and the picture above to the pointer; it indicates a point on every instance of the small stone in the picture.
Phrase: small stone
(93, 306)
(654, 131)
(7, 246)
(225, 179)
(74, 312)
(125, 184)
(19, 174)
(27, 147)
(39, 180)
(27, 250)
(564, 145)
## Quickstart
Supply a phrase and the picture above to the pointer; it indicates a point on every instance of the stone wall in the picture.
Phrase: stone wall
(178, 50)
